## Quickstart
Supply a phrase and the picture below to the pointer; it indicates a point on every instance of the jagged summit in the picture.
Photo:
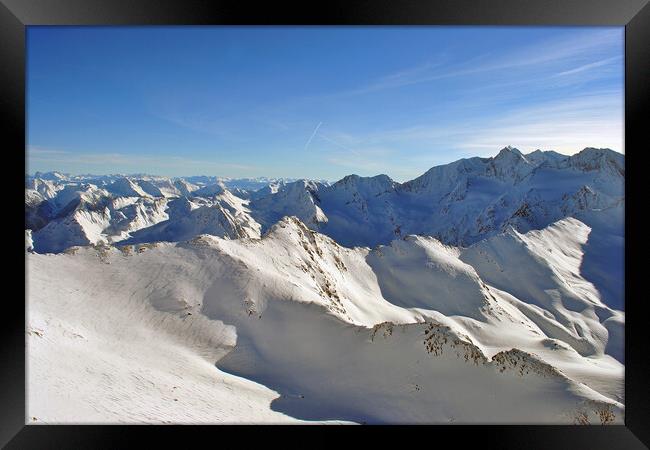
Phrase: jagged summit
(509, 152)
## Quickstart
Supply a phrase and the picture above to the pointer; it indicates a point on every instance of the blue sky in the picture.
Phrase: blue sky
(315, 102)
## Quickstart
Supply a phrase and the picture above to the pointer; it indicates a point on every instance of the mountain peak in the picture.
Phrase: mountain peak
(539, 157)
(591, 158)
(126, 187)
(378, 181)
(51, 176)
(509, 152)
(382, 178)
(510, 164)
(210, 190)
(593, 151)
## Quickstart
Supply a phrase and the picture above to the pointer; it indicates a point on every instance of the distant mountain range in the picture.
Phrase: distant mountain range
(488, 290)
(458, 203)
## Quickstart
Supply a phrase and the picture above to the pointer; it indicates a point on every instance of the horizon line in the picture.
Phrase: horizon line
(293, 179)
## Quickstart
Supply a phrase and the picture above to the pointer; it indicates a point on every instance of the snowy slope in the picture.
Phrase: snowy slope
(224, 215)
(125, 187)
(98, 220)
(115, 359)
(300, 199)
(210, 190)
(295, 326)
(130, 214)
(159, 187)
(45, 189)
(184, 188)
(80, 228)
(542, 269)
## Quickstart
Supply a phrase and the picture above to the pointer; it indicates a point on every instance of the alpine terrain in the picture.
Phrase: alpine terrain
(488, 290)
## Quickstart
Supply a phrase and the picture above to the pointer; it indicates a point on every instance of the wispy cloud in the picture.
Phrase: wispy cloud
(196, 121)
(63, 160)
(550, 51)
(408, 76)
(41, 151)
(557, 49)
(337, 143)
(363, 158)
(567, 126)
(593, 65)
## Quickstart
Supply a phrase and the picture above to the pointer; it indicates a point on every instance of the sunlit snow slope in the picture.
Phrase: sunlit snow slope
(295, 327)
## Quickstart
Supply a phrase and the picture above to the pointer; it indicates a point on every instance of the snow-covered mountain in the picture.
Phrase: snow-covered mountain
(471, 199)
(210, 190)
(223, 215)
(73, 212)
(459, 203)
(488, 290)
(299, 199)
(302, 328)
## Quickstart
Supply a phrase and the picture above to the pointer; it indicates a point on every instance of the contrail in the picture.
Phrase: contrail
(338, 144)
(313, 134)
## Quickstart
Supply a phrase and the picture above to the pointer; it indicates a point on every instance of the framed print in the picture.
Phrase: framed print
(371, 214)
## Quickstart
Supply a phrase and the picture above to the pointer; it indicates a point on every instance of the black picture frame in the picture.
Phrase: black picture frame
(15, 15)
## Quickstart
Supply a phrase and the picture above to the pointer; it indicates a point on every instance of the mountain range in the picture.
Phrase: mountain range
(487, 290)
